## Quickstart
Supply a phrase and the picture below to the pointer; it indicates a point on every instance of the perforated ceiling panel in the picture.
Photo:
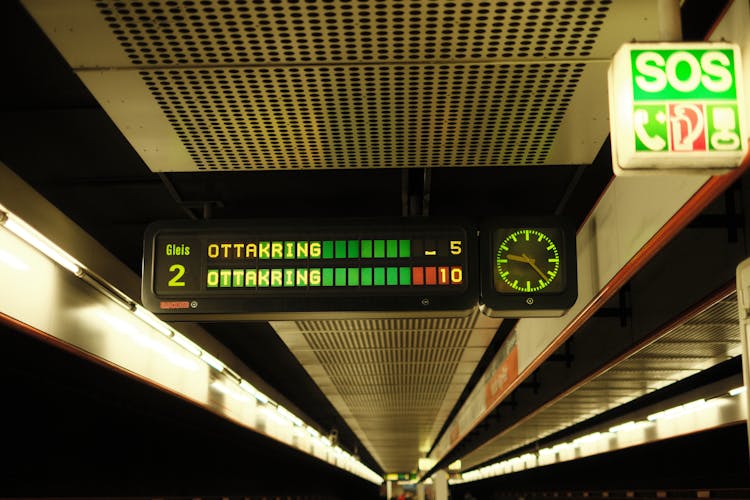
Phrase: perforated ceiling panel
(325, 31)
(394, 381)
(704, 340)
(222, 85)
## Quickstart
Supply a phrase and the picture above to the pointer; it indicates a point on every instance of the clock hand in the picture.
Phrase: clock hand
(532, 263)
(517, 258)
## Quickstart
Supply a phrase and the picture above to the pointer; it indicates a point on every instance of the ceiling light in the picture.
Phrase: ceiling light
(247, 386)
(561, 446)
(152, 321)
(36, 240)
(678, 410)
(274, 415)
(212, 361)
(228, 392)
(623, 427)
(185, 343)
(737, 390)
(289, 416)
(313, 433)
(425, 464)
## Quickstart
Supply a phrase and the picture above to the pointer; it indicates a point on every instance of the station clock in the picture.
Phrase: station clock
(528, 267)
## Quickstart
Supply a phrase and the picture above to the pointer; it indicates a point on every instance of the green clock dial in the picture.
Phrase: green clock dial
(527, 261)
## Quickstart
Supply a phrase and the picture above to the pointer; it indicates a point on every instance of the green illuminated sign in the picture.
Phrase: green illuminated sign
(237, 268)
(677, 106)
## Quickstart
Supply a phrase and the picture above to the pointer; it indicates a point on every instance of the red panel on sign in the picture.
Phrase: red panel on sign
(417, 275)
(687, 127)
(430, 276)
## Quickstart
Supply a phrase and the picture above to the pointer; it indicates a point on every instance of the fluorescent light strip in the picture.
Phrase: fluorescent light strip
(289, 416)
(590, 438)
(678, 410)
(627, 426)
(737, 390)
(274, 415)
(36, 240)
(152, 321)
(247, 386)
(212, 361)
(229, 392)
(506, 466)
(52, 251)
(186, 344)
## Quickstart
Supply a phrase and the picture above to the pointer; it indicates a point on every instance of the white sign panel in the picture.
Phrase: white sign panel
(677, 107)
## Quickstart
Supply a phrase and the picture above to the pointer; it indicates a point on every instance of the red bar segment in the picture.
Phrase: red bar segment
(430, 276)
(417, 275)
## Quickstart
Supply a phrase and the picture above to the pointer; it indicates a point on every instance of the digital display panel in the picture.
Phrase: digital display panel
(256, 268)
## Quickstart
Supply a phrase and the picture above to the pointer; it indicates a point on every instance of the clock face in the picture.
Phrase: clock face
(528, 261)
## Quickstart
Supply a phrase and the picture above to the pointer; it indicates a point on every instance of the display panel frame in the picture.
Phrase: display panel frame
(177, 251)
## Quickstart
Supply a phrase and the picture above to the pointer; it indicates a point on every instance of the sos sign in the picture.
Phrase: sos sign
(677, 107)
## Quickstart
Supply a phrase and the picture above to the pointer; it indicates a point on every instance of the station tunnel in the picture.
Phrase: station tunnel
(244, 253)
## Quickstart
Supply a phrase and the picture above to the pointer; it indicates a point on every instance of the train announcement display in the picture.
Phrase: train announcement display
(285, 269)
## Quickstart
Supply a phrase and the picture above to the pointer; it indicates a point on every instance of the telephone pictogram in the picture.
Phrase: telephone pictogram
(652, 142)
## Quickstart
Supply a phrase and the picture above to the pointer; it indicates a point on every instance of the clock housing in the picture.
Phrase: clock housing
(528, 266)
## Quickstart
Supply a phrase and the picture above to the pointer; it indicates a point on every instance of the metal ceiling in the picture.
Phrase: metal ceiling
(706, 339)
(394, 381)
(223, 85)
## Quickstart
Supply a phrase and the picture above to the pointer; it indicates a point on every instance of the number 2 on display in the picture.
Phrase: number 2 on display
(179, 271)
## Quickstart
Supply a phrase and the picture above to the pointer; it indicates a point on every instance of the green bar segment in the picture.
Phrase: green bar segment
(340, 276)
(379, 276)
(340, 249)
(391, 276)
(366, 249)
(366, 276)
(404, 276)
(404, 248)
(327, 276)
(353, 249)
(379, 249)
(328, 249)
(352, 276)
(391, 248)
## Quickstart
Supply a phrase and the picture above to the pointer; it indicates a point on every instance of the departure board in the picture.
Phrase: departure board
(281, 269)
